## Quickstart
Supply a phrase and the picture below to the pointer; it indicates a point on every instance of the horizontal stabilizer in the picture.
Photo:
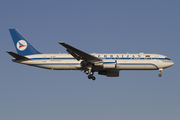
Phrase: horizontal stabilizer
(17, 56)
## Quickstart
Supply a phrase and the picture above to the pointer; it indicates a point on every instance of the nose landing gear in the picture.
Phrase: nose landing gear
(160, 72)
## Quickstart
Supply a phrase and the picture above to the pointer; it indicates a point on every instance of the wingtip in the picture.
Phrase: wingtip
(61, 42)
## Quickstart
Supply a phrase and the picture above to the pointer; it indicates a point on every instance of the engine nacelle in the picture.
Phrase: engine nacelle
(109, 73)
(109, 64)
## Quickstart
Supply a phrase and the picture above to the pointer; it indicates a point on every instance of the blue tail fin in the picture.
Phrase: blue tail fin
(22, 46)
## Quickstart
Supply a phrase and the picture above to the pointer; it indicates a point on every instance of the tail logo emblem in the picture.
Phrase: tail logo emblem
(21, 45)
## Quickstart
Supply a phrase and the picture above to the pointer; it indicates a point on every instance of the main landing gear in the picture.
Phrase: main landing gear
(90, 76)
(160, 72)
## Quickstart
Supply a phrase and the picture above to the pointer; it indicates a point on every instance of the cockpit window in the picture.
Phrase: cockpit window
(166, 58)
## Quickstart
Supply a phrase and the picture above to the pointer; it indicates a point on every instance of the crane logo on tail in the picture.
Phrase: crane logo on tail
(21, 45)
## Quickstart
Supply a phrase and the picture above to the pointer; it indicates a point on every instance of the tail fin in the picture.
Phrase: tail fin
(22, 46)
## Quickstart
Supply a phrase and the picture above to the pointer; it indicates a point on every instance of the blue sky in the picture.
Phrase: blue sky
(95, 26)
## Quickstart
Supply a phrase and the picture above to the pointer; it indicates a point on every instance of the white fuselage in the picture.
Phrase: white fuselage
(110, 61)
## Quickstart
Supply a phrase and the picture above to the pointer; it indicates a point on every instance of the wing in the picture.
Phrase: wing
(80, 55)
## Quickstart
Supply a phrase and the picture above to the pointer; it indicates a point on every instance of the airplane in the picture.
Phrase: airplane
(105, 64)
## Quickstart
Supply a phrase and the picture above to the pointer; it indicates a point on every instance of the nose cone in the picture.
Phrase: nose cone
(170, 63)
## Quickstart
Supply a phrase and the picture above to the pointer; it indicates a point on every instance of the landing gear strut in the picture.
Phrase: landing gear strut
(160, 72)
(88, 70)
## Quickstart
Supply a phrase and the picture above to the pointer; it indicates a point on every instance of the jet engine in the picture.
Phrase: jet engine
(109, 73)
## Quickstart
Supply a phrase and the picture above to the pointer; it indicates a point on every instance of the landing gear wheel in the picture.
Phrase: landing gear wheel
(86, 72)
(89, 76)
(93, 78)
(160, 72)
(160, 75)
